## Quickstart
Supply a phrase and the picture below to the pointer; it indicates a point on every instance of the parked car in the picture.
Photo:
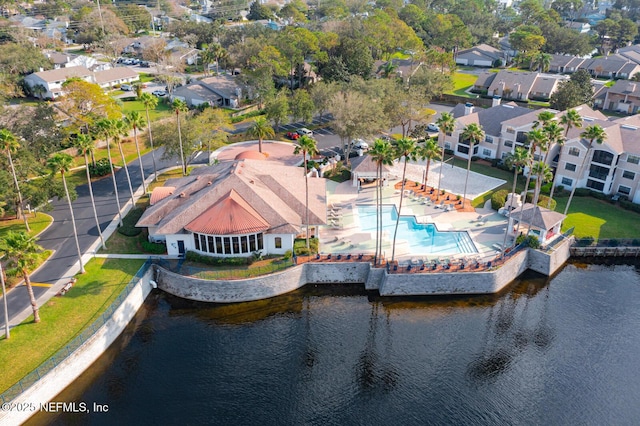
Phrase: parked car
(159, 93)
(433, 127)
(360, 144)
(292, 135)
(144, 64)
(126, 87)
(305, 132)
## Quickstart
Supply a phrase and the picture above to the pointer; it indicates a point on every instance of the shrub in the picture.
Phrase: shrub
(528, 241)
(542, 201)
(101, 168)
(582, 192)
(218, 261)
(613, 243)
(546, 189)
(475, 158)
(128, 227)
(499, 198)
(584, 242)
(635, 242)
(448, 151)
(288, 254)
(153, 248)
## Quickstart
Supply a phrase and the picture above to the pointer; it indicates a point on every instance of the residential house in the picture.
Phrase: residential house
(490, 120)
(180, 52)
(30, 23)
(522, 86)
(581, 27)
(113, 76)
(610, 67)
(234, 208)
(52, 80)
(404, 68)
(481, 55)
(624, 96)
(66, 60)
(565, 64)
(219, 90)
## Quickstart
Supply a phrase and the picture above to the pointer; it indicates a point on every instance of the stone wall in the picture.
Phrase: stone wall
(446, 283)
(548, 263)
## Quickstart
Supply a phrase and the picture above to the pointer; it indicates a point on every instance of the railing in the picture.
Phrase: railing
(44, 368)
(555, 243)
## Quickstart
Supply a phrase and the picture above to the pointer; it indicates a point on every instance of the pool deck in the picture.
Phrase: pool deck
(344, 236)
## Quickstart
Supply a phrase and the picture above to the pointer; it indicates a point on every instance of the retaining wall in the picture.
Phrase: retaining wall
(75, 364)
(446, 283)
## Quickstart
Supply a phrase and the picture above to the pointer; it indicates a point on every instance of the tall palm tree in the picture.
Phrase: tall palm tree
(120, 129)
(554, 133)
(446, 123)
(472, 133)
(569, 120)
(543, 174)
(104, 129)
(85, 145)
(404, 148)
(537, 138)
(544, 118)
(429, 151)
(593, 134)
(22, 254)
(517, 159)
(180, 106)
(382, 154)
(135, 121)
(260, 129)
(8, 144)
(61, 163)
(150, 102)
(306, 146)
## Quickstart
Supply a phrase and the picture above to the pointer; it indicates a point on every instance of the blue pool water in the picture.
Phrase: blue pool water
(423, 238)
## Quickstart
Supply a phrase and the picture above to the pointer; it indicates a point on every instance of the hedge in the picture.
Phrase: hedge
(128, 227)
(542, 201)
(499, 198)
(219, 261)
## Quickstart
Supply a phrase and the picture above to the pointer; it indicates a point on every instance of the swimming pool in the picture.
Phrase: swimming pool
(422, 238)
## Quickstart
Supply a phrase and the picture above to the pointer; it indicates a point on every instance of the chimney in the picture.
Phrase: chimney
(468, 108)
(495, 101)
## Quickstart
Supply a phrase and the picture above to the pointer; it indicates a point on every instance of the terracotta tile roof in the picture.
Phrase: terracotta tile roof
(160, 193)
(230, 215)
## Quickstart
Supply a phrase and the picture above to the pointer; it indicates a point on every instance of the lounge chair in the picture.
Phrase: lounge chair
(440, 206)
(477, 219)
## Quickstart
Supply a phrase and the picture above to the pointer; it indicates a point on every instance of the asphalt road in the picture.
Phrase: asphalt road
(59, 236)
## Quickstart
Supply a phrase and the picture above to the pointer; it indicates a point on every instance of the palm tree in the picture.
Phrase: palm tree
(105, 129)
(9, 143)
(543, 174)
(85, 145)
(135, 120)
(554, 135)
(536, 138)
(569, 120)
(472, 133)
(429, 151)
(149, 101)
(593, 134)
(120, 129)
(260, 129)
(388, 69)
(22, 254)
(61, 163)
(306, 146)
(178, 106)
(404, 148)
(517, 159)
(544, 118)
(446, 123)
(382, 153)
(541, 62)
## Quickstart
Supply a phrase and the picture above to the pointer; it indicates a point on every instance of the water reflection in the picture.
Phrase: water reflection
(339, 355)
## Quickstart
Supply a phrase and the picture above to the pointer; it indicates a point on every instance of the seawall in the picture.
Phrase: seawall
(65, 373)
(395, 284)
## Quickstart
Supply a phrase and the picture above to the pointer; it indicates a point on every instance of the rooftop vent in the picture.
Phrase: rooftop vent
(628, 127)
(182, 195)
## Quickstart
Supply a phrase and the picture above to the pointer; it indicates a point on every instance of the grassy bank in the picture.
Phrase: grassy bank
(63, 318)
(37, 224)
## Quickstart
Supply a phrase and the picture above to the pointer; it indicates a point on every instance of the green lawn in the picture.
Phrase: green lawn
(599, 219)
(461, 82)
(161, 111)
(63, 318)
(36, 223)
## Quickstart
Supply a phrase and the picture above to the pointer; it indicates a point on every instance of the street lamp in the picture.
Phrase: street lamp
(4, 298)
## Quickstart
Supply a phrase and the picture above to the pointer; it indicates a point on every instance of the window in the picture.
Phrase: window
(570, 166)
(227, 245)
(574, 151)
(260, 242)
(628, 175)
(203, 243)
(196, 241)
(447, 145)
(219, 245)
(252, 242)
(464, 149)
(567, 182)
(278, 241)
(624, 190)
(598, 186)
(511, 130)
(521, 138)
(633, 159)
(504, 155)
(508, 143)
(488, 139)
(236, 244)
(486, 152)
(243, 244)
(212, 249)
(602, 157)
(598, 172)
